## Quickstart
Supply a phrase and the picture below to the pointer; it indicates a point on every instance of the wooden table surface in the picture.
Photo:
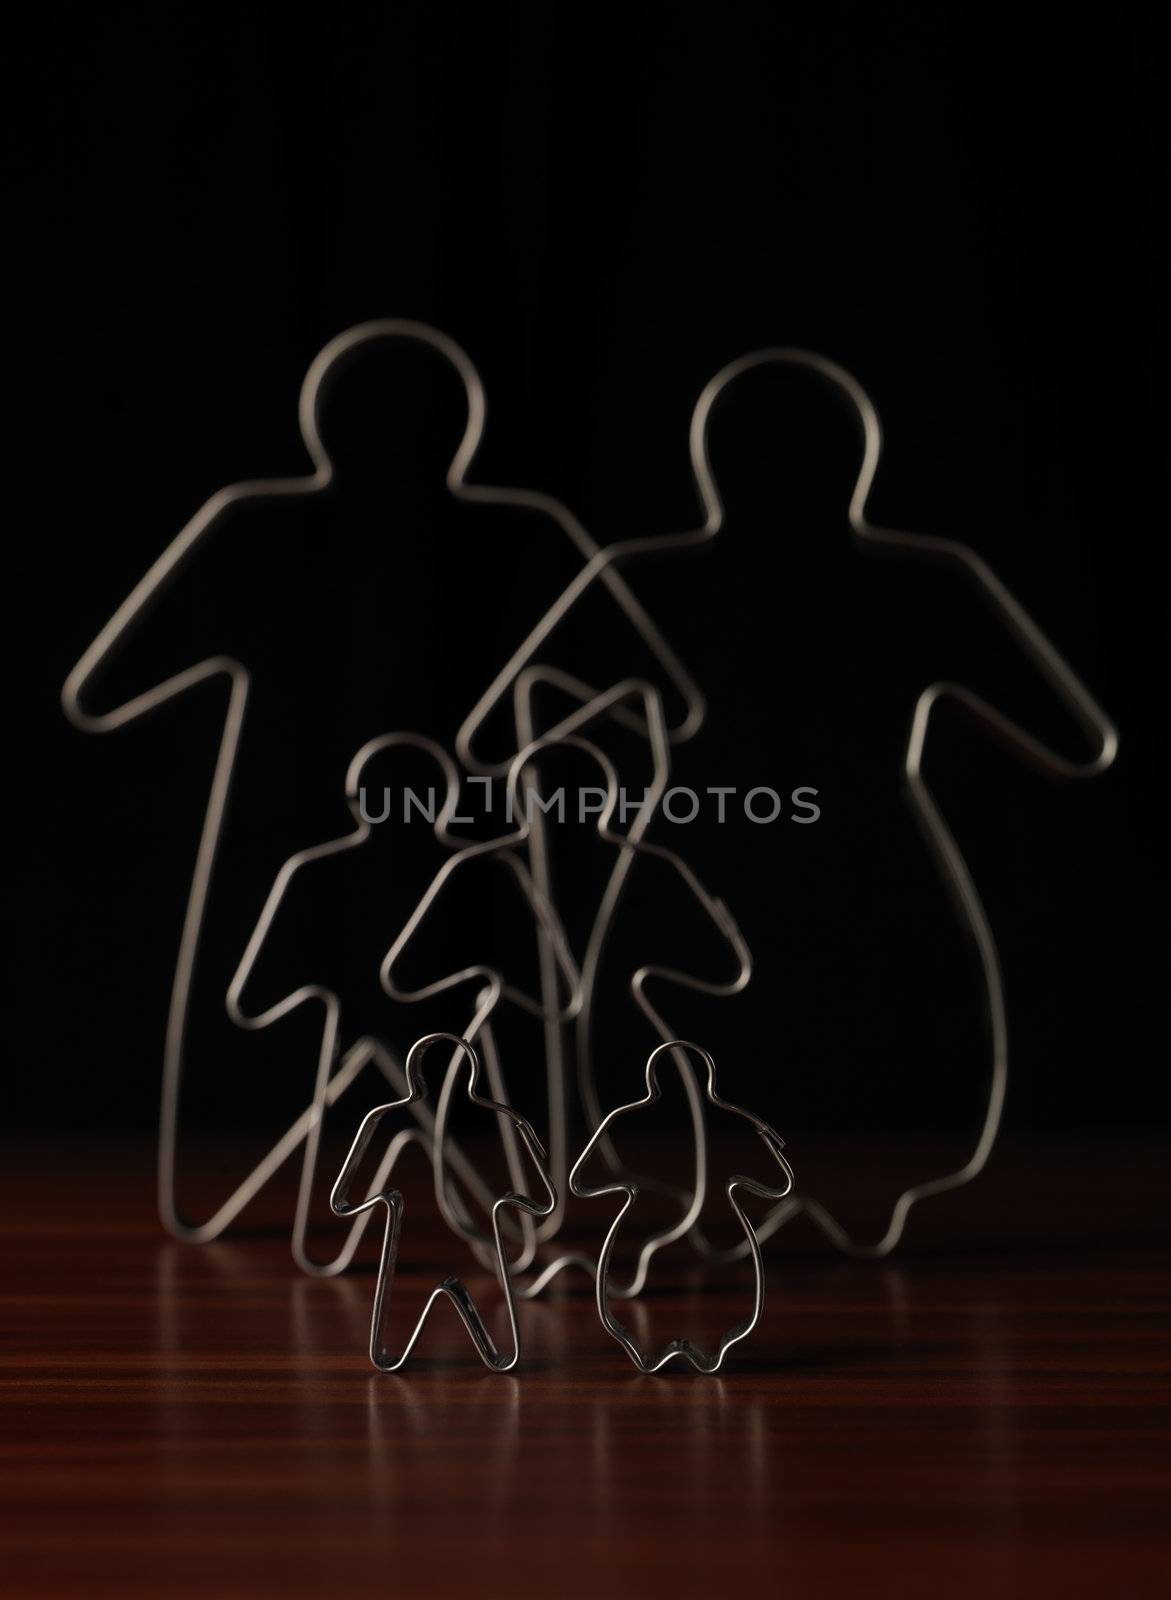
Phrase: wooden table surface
(990, 1419)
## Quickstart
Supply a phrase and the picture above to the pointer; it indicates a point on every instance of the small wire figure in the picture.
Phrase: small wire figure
(683, 1349)
(451, 1288)
(332, 1077)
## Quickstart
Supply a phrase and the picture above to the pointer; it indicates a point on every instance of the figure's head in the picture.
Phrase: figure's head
(392, 399)
(399, 776)
(783, 428)
(458, 1055)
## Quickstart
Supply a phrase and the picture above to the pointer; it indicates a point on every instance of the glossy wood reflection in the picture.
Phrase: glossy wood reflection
(184, 1421)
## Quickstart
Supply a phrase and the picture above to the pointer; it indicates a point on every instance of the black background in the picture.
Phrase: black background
(602, 208)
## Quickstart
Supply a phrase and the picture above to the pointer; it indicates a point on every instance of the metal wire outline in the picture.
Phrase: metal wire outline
(681, 1349)
(238, 676)
(1037, 648)
(452, 1287)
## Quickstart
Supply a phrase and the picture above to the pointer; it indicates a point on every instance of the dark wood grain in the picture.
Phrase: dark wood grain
(183, 1421)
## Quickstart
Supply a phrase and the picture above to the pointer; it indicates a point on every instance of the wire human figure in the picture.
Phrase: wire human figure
(1034, 645)
(628, 846)
(391, 1200)
(238, 675)
(333, 1077)
(600, 566)
(682, 1349)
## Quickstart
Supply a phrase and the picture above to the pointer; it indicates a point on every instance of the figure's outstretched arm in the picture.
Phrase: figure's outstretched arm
(1034, 647)
(1022, 742)
(76, 700)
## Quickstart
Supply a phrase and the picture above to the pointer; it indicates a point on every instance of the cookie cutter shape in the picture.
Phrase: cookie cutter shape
(77, 701)
(682, 1349)
(452, 1288)
(1026, 633)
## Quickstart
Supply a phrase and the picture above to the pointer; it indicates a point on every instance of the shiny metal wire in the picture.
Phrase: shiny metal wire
(367, 1048)
(638, 708)
(1033, 643)
(630, 845)
(77, 702)
(682, 1349)
(492, 990)
(391, 1200)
